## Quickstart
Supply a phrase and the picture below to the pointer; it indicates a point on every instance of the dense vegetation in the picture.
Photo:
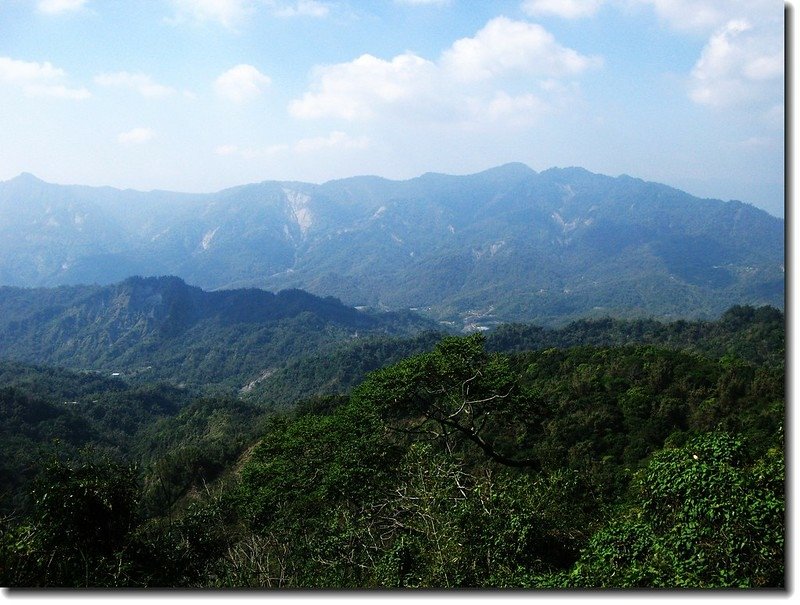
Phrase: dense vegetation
(161, 329)
(605, 454)
(752, 334)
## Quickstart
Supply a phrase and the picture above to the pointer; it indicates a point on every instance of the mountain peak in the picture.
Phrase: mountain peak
(26, 178)
(512, 169)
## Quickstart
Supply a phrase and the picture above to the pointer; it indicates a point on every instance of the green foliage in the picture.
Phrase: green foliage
(82, 513)
(302, 465)
(29, 430)
(758, 339)
(451, 392)
(160, 329)
(100, 413)
(166, 552)
(304, 488)
(461, 466)
(699, 516)
(337, 370)
(752, 334)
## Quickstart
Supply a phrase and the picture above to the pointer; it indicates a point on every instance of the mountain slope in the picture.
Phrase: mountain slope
(505, 244)
(163, 329)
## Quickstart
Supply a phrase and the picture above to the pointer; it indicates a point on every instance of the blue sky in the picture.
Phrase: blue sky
(198, 95)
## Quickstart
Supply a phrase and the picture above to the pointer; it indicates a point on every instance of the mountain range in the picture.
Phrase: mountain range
(161, 329)
(506, 244)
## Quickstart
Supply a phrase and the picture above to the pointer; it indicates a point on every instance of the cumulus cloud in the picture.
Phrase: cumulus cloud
(139, 82)
(742, 61)
(12, 70)
(460, 85)
(39, 79)
(136, 136)
(568, 9)
(241, 83)
(521, 109)
(691, 16)
(57, 7)
(233, 13)
(707, 15)
(357, 89)
(504, 46)
(228, 13)
(738, 65)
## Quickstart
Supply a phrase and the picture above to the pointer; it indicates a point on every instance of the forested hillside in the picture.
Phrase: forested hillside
(506, 244)
(756, 335)
(605, 454)
(161, 329)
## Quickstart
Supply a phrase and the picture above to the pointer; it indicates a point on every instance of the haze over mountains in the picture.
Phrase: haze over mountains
(505, 244)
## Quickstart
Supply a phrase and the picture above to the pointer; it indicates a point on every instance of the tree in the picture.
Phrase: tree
(699, 517)
(83, 511)
(456, 391)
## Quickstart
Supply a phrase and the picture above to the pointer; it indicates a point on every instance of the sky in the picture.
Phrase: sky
(200, 95)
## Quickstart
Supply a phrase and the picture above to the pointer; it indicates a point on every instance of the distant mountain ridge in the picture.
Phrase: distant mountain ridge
(163, 329)
(504, 244)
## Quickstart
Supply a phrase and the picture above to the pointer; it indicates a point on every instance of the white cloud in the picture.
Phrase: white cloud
(12, 70)
(141, 83)
(39, 79)
(57, 7)
(765, 67)
(568, 9)
(335, 140)
(241, 83)
(228, 13)
(58, 91)
(521, 109)
(505, 46)
(739, 65)
(460, 85)
(706, 16)
(233, 13)
(359, 89)
(136, 136)
(689, 15)
(302, 8)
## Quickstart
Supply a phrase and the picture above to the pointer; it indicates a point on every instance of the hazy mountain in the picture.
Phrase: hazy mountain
(504, 244)
(163, 329)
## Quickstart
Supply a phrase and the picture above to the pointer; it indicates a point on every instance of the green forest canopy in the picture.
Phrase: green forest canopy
(625, 465)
